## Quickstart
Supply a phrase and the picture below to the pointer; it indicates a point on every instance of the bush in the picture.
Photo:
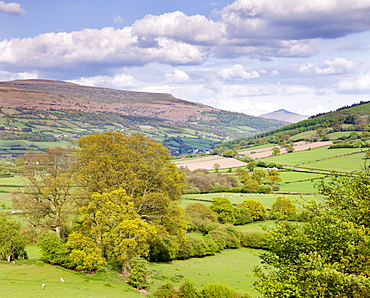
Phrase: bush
(188, 290)
(242, 216)
(166, 290)
(139, 273)
(228, 233)
(53, 250)
(218, 291)
(266, 189)
(253, 239)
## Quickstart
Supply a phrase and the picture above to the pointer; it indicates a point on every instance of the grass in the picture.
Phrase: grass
(309, 157)
(353, 162)
(232, 267)
(256, 226)
(26, 277)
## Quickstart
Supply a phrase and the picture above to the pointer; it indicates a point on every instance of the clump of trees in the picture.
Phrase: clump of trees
(113, 198)
(327, 255)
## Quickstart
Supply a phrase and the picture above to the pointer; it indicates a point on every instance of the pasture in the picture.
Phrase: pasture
(232, 267)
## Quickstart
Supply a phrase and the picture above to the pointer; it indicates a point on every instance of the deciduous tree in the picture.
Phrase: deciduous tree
(50, 191)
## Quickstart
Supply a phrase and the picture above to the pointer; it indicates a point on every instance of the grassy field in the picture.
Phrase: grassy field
(232, 267)
(308, 158)
(25, 279)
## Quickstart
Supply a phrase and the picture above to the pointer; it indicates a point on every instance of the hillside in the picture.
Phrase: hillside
(284, 115)
(37, 111)
(347, 127)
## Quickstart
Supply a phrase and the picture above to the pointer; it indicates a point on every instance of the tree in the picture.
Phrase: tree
(12, 240)
(143, 168)
(283, 208)
(216, 166)
(249, 184)
(111, 221)
(289, 148)
(49, 197)
(256, 209)
(275, 150)
(348, 197)
(200, 211)
(258, 175)
(251, 165)
(224, 210)
(273, 176)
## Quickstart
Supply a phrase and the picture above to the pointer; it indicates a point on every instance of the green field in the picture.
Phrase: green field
(309, 158)
(232, 267)
(25, 279)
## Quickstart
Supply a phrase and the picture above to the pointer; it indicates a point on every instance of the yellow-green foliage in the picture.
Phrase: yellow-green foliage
(283, 208)
(256, 209)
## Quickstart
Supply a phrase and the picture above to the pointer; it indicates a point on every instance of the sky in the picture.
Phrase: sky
(249, 56)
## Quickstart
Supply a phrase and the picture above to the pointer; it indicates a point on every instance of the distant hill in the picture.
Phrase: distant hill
(347, 127)
(46, 110)
(284, 115)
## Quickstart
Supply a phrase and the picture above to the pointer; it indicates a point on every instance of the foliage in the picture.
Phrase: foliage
(188, 290)
(204, 182)
(283, 208)
(166, 290)
(84, 254)
(217, 291)
(273, 176)
(326, 256)
(139, 273)
(111, 221)
(49, 197)
(253, 239)
(256, 209)
(53, 250)
(143, 169)
(224, 210)
(12, 240)
(200, 211)
(242, 216)
(348, 197)
(275, 150)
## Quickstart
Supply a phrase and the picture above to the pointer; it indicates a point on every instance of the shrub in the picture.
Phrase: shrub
(242, 216)
(166, 290)
(139, 273)
(217, 291)
(188, 290)
(53, 250)
(224, 210)
(253, 239)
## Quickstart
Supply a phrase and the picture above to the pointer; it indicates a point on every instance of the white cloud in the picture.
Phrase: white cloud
(336, 66)
(118, 20)
(116, 81)
(178, 76)
(107, 46)
(237, 72)
(295, 19)
(12, 8)
(357, 84)
(8, 76)
(275, 72)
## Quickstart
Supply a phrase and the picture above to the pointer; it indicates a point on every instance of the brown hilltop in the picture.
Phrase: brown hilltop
(58, 95)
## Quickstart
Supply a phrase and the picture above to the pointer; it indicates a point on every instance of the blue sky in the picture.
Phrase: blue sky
(250, 56)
